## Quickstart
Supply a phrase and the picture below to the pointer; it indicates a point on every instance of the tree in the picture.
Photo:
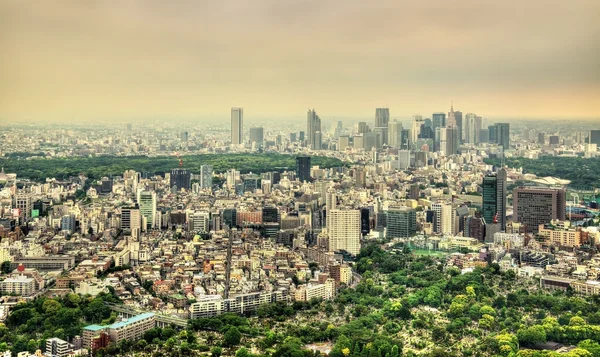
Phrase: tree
(216, 351)
(232, 337)
(531, 335)
(5, 267)
(592, 346)
(51, 306)
(242, 352)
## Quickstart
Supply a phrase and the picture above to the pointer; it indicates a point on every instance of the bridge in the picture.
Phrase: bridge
(161, 320)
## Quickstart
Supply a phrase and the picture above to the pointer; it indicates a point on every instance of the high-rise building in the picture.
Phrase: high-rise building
(594, 137)
(200, 222)
(131, 219)
(472, 124)
(181, 178)
(382, 119)
(414, 192)
(23, 202)
(313, 126)
(206, 176)
(237, 126)
(403, 159)
(394, 133)
(343, 142)
(416, 128)
(303, 168)
(438, 120)
(502, 135)
(257, 136)
(448, 141)
(230, 217)
(541, 138)
(362, 128)
(401, 222)
(344, 230)
(533, 206)
(443, 221)
(553, 139)
(147, 202)
(494, 198)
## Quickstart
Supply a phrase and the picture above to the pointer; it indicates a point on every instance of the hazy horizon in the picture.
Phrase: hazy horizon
(70, 61)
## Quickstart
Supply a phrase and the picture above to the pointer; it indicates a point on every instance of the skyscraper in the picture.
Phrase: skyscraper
(147, 202)
(237, 126)
(206, 176)
(394, 133)
(416, 129)
(344, 230)
(303, 168)
(313, 126)
(443, 222)
(533, 206)
(257, 136)
(382, 118)
(594, 137)
(448, 141)
(182, 178)
(438, 120)
(503, 135)
(472, 126)
(494, 198)
(401, 222)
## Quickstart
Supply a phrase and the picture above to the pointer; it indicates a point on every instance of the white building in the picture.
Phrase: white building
(344, 230)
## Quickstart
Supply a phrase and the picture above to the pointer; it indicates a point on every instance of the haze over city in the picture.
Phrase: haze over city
(96, 60)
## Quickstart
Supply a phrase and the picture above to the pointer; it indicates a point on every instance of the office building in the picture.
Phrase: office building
(472, 128)
(257, 137)
(362, 127)
(541, 138)
(394, 133)
(343, 142)
(594, 137)
(553, 140)
(67, 223)
(181, 178)
(344, 230)
(147, 204)
(230, 217)
(303, 168)
(416, 128)
(448, 141)
(403, 159)
(131, 219)
(382, 118)
(494, 198)
(438, 120)
(500, 135)
(200, 222)
(414, 192)
(206, 176)
(535, 206)
(313, 130)
(401, 222)
(237, 126)
(443, 220)
(23, 202)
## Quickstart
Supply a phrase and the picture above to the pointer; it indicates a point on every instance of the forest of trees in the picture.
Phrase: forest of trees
(39, 169)
(580, 171)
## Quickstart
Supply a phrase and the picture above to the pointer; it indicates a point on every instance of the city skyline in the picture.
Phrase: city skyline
(94, 61)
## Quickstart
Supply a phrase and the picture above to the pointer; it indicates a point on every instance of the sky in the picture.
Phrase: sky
(69, 60)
